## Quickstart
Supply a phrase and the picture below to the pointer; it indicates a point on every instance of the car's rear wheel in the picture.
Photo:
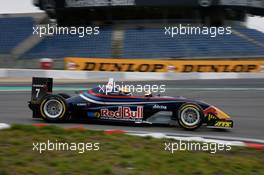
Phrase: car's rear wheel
(54, 108)
(190, 116)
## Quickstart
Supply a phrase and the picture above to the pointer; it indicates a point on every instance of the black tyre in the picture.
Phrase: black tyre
(190, 116)
(53, 108)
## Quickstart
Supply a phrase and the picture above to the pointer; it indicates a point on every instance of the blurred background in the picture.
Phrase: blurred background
(129, 29)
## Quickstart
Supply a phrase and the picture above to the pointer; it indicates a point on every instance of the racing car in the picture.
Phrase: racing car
(111, 104)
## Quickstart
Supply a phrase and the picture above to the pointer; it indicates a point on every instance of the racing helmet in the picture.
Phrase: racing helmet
(125, 91)
(148, 94)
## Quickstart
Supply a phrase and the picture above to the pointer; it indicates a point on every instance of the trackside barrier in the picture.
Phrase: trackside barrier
(140, 76)
(3, 73)
(164, 65)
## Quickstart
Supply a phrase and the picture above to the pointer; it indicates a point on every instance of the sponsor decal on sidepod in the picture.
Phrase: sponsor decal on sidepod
(159, 107)
(123, 112)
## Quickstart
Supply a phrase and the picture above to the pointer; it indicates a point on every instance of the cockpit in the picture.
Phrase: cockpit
(111, 89)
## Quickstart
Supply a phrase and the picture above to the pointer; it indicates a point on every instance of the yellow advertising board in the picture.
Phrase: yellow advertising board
(148, 65)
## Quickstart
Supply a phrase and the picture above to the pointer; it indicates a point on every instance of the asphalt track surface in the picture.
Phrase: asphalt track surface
(242, 99)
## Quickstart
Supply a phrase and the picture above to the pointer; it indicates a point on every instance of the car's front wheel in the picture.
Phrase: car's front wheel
(190, 116)
(54, 108)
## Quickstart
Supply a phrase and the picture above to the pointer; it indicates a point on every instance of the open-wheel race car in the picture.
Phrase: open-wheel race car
(111, 104)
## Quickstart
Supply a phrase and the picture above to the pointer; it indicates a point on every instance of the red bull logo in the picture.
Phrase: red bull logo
(123, 112)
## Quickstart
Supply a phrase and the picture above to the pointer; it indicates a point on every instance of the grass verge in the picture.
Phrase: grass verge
(118, 154)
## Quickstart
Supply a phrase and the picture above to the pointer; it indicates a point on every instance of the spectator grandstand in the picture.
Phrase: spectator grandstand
(188, 46)
(254, 34)
(13, 31)
(136, 41)
(59, 46)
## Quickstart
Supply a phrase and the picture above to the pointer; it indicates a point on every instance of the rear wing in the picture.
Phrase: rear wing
(40, 88)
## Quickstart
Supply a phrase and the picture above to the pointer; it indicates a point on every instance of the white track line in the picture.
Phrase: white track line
(4, 126)
(226, 138)
(191, 139)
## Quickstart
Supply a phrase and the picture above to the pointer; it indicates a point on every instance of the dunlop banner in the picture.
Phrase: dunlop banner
(148, 65)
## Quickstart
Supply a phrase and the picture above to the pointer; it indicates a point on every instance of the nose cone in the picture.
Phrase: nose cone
(216, 112)
(221, 114)
(216, 118)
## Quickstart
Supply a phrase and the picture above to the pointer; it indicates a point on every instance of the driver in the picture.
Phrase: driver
(148, 94)
(125, 91)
